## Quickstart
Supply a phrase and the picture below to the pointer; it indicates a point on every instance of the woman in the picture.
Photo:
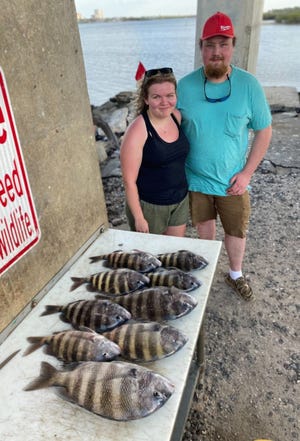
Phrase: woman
(153, 154)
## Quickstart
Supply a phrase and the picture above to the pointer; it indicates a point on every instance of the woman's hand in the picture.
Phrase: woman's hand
(141, 225)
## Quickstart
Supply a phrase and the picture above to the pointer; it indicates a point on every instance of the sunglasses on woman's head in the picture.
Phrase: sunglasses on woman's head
(163, 70)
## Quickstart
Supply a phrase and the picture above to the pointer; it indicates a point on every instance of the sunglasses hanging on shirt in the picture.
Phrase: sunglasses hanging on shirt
(217, 100)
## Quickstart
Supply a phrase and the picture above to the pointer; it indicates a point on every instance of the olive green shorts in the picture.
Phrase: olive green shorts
(234, 211)
(160, 217)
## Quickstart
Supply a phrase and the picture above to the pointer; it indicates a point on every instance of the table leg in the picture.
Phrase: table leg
(200, 353)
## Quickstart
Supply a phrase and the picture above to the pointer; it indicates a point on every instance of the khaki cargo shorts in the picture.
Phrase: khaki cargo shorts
(234, 211)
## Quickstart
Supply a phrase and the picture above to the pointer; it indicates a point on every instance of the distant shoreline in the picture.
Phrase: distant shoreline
(114, 19)
(280, 16)
(159, 17)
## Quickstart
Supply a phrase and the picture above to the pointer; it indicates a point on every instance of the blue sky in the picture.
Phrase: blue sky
(137, 8)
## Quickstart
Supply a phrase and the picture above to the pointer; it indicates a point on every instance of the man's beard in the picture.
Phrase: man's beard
(216, 72)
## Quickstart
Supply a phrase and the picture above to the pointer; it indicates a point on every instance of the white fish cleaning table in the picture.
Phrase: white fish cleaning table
(42, 414)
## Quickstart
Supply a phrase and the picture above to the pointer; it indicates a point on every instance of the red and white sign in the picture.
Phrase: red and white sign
(19, 228)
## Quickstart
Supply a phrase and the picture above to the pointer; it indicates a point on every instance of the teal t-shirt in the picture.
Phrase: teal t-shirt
(219, 132)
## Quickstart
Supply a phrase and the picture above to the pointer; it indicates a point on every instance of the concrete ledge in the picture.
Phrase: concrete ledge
(282, 98)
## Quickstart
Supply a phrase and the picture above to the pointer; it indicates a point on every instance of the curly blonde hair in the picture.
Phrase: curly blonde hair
(143, 88)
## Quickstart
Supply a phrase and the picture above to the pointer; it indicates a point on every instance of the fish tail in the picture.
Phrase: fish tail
(51, 309)
(96, 258)
(78, 281)
(35, 343)
(47, 372)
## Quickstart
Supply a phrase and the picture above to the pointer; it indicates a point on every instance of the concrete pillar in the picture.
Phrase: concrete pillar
(41, 57)
(246, 16)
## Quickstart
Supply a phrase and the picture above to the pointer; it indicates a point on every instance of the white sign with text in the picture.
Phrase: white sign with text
(19, 228)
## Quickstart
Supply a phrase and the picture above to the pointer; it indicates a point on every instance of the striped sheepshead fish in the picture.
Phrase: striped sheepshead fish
(173, 277)
(136, 260)
(115, 390)
(98, 315)
(183, 259)
(118, 281)
(158, 303)
(147, 341)
(69, 346)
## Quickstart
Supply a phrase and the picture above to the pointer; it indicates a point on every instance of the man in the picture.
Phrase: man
(219, 103)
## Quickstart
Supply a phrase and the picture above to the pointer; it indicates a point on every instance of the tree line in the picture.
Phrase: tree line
(286, 16)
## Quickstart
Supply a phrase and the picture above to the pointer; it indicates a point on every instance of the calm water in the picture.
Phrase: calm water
(112, 51)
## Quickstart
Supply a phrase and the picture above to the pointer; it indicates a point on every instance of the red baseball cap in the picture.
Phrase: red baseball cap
(218, 24)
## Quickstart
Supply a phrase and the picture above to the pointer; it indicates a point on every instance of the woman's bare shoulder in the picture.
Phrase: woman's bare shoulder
(177, 115)
(136, 132)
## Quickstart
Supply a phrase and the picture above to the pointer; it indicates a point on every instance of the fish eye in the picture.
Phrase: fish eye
(156, 394)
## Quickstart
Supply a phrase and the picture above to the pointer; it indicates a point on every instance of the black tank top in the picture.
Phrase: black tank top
(161, 179)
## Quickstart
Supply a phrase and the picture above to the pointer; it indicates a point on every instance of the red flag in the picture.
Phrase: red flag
(140, 71)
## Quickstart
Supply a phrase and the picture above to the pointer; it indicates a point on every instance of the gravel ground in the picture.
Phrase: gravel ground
(250, 387)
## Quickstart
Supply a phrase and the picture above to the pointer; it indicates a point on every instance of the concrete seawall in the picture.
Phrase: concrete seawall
(285, 144)
(282, 98)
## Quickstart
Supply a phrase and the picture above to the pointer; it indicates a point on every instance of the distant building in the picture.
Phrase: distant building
(79, 16)
(98, 14)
